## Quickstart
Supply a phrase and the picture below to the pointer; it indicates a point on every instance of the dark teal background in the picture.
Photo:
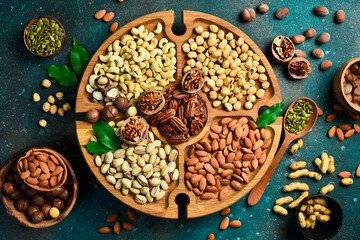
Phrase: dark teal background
(21, 76)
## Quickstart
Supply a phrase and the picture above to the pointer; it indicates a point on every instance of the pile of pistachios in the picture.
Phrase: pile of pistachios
(145, 169)
(298, 116)
(44, 36)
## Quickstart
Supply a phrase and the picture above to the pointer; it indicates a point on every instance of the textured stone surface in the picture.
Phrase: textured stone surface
(21, 76)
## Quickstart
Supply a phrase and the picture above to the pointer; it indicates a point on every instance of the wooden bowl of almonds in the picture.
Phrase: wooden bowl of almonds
(42, 169)
(21, 201)
(44, 36)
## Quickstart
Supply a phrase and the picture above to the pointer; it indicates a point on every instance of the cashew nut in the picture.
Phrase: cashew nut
(158, 28)
(92, 79)
(155, 52)
(144, 33)
(150, 36)
(115, 70)
(116, 45)
(137, 31)
(105, 58)
(162, 42)
(118, 60)
(171, 53)
(167, 47)
(141, 57)
(152, 44)
(126, 38)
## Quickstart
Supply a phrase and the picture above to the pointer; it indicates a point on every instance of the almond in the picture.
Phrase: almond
(108, 17)
(345, 127)
(225, 212)
(338, 107)
(340, 134)
(349, 133)
(262, 158)
(321, 11)
(112, 217)
(323, 38)
(344, 174)
(224, 224)
(300, 53)
(128, 226)
(357, 128)
(354, 115)
(331, 117)
(297, 39)
(235, 224)
(310, 33)
(331, 132)
(236, 185)
(282, 13)
(326, 65)
(317, 53)
(211, 236)
(358, 171)
(131, 214)
(100, 14)
(113, 26)
(104, 230)
(207, 195)
(117, 228)
(216, 128)
(222, 195)
(320, 112)
(225, 121)
(340, 16)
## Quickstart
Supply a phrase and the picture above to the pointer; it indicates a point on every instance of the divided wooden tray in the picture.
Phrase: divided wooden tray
(166, 207)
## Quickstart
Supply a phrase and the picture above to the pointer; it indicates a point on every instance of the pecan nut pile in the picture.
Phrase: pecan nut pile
(133, 129)
(182, 116)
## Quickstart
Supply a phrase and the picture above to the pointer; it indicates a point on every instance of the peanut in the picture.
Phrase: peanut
(294, 148)
(317, 176)
(326, 189)
(319, 200)
(331, 168)
(283, 200)
(324, 162)
(297, 165)
(280, 210)
(301, 218)
(318, 163)
(347, 181)
(296, 186)
(323, 218)
(298, 173)
(322, 209)
(302, 196)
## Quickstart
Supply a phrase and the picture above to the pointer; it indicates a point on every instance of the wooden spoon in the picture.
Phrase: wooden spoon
(259, 189)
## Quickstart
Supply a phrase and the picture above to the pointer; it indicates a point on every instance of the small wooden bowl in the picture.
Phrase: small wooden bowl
(152, 112)
(338, 87)
(193, 70)
(35, 20)
(275, 55)
(298, 59)
(48, 151)
(144, 133)
(21, 216)
(322, 230)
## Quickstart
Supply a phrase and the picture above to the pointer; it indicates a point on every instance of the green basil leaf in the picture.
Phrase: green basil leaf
(106, 135)
(96, 148)
(270, 115)
(79, 58)
(64, 75)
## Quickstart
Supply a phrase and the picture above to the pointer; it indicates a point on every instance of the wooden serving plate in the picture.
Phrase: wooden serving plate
(166, 207)
(21, 216)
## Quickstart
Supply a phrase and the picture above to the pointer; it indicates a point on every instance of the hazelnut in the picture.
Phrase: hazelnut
(109, 112)
(121, 103)
(354, 68)
(45, 209)
(15, 195)
(22, 204)
(39, 199)
(37, 217)
(58, 203)
(32, 209)
(65, 194)
(8, 188)
(93, 115)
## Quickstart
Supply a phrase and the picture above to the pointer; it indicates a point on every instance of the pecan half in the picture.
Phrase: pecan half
(173, 104)
(165, 116)
(189, 109)
(181, 138)
(196, 125)
(178, 125)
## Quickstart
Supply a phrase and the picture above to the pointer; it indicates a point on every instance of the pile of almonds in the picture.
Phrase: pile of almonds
(107, 17)
(128, 226)
(236, 148)
(225, 223)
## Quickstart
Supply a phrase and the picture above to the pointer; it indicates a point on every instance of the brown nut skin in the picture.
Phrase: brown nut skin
(109, 113)
(282, 13)
(65, 194)
(340, 16)
(326, 65)
(263, 8)
(37, 217)
(31, 192)
(24, 187)
(58, 203)
(53, 194)
(8, 188)
(317, 53)
(297, 39)
(15, 195)
(321, 11)
(31, 209)
(121, 103)
(310, 33)
(323, 38)
(45, 209)
(300, 53)
(354, 68)
(22, 204)
(39, 199)
(248, 15)
(93, 115)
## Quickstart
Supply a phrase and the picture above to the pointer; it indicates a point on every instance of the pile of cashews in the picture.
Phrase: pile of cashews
(136, 62)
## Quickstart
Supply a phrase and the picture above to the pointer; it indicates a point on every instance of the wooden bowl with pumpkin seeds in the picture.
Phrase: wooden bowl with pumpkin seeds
(44, 36)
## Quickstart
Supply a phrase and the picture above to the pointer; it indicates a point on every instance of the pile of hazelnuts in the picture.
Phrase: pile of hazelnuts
(109, 112)
(37, 205)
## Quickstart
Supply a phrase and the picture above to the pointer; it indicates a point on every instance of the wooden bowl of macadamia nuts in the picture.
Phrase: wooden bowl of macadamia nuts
(346, 85)
(31, 207)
